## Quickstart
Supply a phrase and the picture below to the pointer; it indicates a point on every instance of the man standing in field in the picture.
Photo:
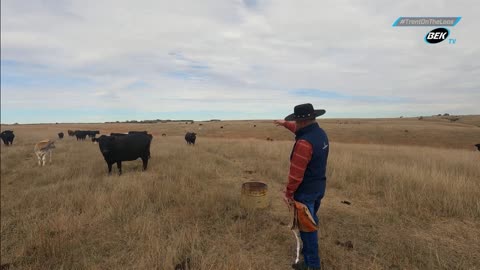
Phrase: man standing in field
(306, 179)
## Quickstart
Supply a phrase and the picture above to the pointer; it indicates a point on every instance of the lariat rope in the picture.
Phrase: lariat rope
(298, 246)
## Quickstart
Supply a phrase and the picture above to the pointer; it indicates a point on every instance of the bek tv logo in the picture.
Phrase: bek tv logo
(436, 35)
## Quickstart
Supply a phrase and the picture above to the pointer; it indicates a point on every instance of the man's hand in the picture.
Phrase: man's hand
(279, 122)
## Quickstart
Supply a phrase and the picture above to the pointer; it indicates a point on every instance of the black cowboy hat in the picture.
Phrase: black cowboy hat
(304, 112)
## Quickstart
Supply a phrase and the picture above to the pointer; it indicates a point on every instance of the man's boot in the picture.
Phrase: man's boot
(303, 266)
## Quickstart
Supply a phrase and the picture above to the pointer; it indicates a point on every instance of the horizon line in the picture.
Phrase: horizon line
(218, 119)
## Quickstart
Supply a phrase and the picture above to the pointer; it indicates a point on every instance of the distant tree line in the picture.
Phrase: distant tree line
(155, 121)
(447, 116)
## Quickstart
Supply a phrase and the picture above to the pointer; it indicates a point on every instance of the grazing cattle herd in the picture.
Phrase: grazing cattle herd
(115, 148)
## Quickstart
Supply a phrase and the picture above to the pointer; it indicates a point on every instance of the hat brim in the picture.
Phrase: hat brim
(316, 113)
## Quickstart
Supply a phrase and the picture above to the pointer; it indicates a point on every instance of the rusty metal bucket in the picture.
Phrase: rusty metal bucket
(254, 195)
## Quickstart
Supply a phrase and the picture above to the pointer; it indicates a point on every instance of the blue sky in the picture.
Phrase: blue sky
(95, 61)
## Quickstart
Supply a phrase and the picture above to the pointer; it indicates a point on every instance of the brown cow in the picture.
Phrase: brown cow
(42, 149)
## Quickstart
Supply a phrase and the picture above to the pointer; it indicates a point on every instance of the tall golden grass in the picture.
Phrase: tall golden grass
(412, 207)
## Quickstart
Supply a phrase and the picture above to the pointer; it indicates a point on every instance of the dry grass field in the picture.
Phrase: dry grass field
(414, 188)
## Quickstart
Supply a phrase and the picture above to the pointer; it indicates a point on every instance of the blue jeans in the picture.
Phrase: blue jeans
(310, 239)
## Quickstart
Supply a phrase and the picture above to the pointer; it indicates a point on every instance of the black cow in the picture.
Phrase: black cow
(478, 146)
(136, 132)
(94, 139)
(92, 133)
(118, 134)
(81, 135)
(7, 137)
(125, 148)
(60, 135)
(190, 137)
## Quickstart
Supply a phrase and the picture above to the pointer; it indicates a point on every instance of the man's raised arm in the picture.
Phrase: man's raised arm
(290, 125)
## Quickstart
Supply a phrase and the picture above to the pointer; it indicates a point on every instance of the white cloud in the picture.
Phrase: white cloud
(156, 56)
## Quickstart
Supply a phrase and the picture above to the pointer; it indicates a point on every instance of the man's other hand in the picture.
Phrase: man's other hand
(279, 122)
